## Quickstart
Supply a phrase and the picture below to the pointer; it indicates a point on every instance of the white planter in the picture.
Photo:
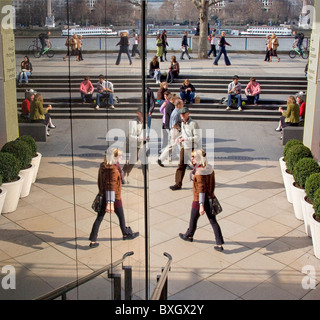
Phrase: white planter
(297, 196)
(315, 233)
(307, 211)
(36, 162)
(3, 195)
(288, 181)
(28, 175)
(13, 195)
(283, 165)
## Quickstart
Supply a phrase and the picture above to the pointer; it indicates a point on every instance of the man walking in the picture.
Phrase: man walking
(189, 140)
(185, 46)
(135, 43)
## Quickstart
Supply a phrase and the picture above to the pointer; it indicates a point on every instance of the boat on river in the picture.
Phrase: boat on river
(89, 31)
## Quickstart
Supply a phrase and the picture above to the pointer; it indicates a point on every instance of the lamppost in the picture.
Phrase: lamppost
(50, 18)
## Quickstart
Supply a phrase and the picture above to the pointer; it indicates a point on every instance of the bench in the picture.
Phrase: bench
(292, 133)
(36, 130)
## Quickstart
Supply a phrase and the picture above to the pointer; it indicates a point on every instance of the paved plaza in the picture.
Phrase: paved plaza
(266, 247)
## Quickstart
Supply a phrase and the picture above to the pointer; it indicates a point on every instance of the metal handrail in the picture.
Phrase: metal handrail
(163, 279)
(70, 286)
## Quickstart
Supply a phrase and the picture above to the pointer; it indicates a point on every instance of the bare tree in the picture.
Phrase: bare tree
(203, 8)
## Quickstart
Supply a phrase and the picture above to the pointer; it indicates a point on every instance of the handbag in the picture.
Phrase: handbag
(97, 203)
(215, 206)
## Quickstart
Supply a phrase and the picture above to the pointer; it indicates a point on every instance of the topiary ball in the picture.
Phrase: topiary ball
(312, 185)
(31, 143)
(303, 169)
(0, 179)
(288, 145)
(9, 167)
(316, 204)
(20, 150)
(296, 153)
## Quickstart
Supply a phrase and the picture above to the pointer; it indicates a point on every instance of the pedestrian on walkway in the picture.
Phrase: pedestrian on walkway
(175, 129)
(268, 48)
(203, 177)
(164, 38)
(189, 139)
(110, 184)
(213, 42)
(80, 49)
(222, 50)
(274, 44)
(185, 46)
(136, 145)
(124, 47)
(159, 47)
(135, 43)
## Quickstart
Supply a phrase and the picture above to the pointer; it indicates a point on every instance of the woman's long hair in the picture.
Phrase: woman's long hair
(200, 157)
(38, 97)
(111, 156)
(155, 60)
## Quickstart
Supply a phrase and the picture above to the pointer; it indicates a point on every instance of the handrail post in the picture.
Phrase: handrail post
(116, 285)
(127, 282)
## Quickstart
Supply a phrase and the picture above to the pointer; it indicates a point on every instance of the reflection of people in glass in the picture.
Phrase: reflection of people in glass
(203, 177)
(136, 144)
(109, 182)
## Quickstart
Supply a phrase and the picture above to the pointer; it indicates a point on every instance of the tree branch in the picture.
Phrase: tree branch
(197, 4)
(213, 2)
(135, 3)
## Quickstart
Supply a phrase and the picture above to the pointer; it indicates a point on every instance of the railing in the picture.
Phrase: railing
(62, 291)
(161, 290)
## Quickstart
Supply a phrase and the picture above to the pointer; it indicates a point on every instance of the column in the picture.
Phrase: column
(311, 136)
(8, 96)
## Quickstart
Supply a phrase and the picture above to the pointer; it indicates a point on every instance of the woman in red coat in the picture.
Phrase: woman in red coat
(110, 178)
(203, 177)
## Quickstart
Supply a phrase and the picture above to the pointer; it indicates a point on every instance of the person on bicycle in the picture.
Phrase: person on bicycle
(298, 40)
(44, 40)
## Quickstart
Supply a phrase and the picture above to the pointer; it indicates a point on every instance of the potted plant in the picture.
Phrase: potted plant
(311, 186)
(286, 148)
(3, 193)
(36, 156)
(22, 152)
(11, 181)
(315, 224)
(302, 170)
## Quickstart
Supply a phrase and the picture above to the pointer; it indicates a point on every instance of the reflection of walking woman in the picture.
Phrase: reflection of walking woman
(164, 38)
(222, 45)
(109, 182)
(274, 44)
(268, 52)
(124, 47)
(203, 177)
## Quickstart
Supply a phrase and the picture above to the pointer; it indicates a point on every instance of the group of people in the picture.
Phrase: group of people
(252, 91)
(272, 44)
(75, 44)
(32, 109)
(104, 88)
(124, 44)
(294, 114)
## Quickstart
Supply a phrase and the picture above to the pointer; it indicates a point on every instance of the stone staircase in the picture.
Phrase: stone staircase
(62, 92)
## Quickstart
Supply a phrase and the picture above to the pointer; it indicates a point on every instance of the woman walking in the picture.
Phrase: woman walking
(203, 177)
(159, 47)
(274, 44)
(110, 178)
(222, 45)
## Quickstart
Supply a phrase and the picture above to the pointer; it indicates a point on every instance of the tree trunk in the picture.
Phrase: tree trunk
(203, 38)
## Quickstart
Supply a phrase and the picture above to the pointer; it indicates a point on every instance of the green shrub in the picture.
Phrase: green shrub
(303, 169)
(0, 179)
(31, 143)
(9, 167)
(20, 150)
(316, 204)
(312, 185)
(288, 145)
(296, 153)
